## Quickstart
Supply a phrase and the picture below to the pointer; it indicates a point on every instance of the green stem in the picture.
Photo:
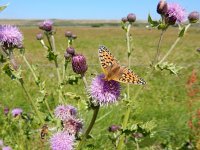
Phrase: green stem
(170, 50)
(129, 54)
(85, 82)
(36, 81)
(61, 99)
(95, 113)
(156, 58)
(173, 46)
(53, 43)
(32, 102)
(12, 59)
(43, 44)
(29, 66)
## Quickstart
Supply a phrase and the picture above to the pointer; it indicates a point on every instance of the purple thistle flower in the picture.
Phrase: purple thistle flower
(16, 112)
(104, 92)
(65, 112)
(73, 125)
(62, 141)
(6, 148)
(79, 64)
(10, 36)
(175, 13)
(46, 25)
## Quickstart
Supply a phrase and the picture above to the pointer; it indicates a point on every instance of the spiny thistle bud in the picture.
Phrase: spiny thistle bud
(170, 20)
(131, 17)
(114, 128)
(193, 17)
(124, 19)
(68, 34)
(70, 50)
(39, 36)
(74, 36)
(162, 7)
(79, 65)
(6, 110)
(46, 25)
(67, 56)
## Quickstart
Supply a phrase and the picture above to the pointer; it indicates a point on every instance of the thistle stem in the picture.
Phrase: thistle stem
(36, 81)
(32, 102)
(85, 82)
(129, 54)
(173, 46)
(156, 58)
(95, 113)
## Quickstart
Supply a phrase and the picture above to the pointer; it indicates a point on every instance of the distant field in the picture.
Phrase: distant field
(164, 98)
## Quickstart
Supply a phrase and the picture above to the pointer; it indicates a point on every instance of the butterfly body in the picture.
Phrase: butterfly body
(114, 71)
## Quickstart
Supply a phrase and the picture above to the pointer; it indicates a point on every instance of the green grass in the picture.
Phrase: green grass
(163, 99)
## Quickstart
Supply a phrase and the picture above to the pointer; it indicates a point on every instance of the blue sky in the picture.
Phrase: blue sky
(86, 9)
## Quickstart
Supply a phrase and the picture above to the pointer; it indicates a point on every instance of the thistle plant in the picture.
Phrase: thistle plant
(66, 128)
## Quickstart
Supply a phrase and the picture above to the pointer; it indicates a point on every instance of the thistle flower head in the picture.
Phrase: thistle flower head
(104, 92)
(46, 25)
(193, 17)
(131, 17)
(16, 112)
(10, 36)
(62, 141)
(124, 19)
(175, 13)
(73, 125)
(70, 50)
(65, 112)
(79, 64)
(68, 34)
(74, 36)
(162, 7)
(6, 148)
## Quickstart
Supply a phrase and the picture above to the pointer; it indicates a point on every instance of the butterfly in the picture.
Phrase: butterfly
(114, 71)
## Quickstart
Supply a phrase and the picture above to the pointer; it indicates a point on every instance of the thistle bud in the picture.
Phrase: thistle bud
(193, 17)
(124, 19)
(67, 56)
(46, 25)
(68, 34)
(131, 17)
(162, 7)
(6, 110)
(114, 128)
(39, 36)
(170, 20)
(79, 65)
(70, 50)
(74, 36)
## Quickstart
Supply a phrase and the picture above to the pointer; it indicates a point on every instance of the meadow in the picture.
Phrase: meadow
(164, 99)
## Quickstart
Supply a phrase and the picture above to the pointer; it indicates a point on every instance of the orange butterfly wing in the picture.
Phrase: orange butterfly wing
(114, 71)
